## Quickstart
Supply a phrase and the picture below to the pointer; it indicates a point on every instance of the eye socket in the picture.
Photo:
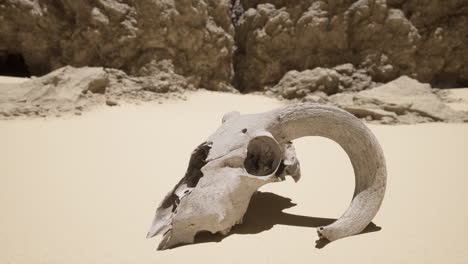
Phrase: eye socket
(192, 176)
(263, 156)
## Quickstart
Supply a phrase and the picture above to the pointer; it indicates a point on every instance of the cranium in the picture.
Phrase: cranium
(249, 151)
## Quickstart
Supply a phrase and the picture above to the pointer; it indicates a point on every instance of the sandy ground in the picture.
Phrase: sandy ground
(84, 189)
(8, 79)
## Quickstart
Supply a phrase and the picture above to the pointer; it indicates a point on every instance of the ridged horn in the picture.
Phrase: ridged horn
(366, 155)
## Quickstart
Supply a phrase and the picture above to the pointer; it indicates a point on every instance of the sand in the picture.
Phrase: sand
(83, 189)
(8, 79)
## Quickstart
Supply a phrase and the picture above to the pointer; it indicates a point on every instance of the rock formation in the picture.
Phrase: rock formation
(305, 50)
(387, 38)
(70, 89)
(342, 78)
(426, 41)
(196, 36)
(403, 100)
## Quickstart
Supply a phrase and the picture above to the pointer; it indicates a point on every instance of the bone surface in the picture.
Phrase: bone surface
(249, 151)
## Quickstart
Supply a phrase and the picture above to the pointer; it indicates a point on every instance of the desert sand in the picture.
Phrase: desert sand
(10, 79)
(84, 189)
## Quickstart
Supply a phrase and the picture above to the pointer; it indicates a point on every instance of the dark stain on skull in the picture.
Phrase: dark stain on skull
(192, 176)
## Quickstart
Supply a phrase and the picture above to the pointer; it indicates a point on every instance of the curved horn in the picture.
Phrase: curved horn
(365, 153)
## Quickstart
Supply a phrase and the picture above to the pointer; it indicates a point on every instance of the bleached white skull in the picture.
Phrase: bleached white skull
(249, 151)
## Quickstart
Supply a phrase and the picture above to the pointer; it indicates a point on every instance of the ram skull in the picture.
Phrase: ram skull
(249, 151)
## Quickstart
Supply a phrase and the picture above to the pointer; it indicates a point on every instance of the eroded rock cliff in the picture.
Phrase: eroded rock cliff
(426, 40)
(260, 39)
(328, 51)
(196, 36)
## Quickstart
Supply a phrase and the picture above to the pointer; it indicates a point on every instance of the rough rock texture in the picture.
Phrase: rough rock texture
(387, 38)
(403, 100)
(197, 36)
(72, 89)
(344, 77)
(426, 40)
(303, 50)
(455, 98)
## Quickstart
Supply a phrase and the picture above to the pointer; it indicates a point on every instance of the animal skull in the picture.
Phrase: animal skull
(248, 151)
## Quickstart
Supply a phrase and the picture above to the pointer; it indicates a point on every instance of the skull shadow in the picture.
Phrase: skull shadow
(265, 211)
